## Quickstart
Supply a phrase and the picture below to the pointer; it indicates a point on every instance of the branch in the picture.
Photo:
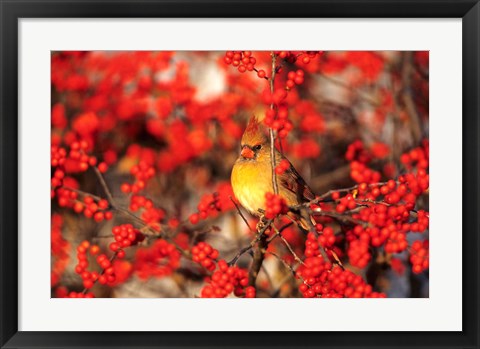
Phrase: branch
(288, 266)
(258, 257)
(140, 221)
(330, 192)
(107, 191)
(252, 244)
(272, 136)
(277, 232)
(240, 213)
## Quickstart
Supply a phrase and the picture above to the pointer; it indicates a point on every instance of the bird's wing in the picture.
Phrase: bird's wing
(292, 181)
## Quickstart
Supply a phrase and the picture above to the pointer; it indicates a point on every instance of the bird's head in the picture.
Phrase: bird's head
(254, 145)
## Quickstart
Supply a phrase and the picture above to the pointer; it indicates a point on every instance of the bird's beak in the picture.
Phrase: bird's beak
(247, 153)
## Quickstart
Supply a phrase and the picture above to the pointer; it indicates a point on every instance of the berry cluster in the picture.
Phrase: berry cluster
(107, 274)
(312, 245)
(361, 173)
(244, 61)
(307, 148)
(359, 157)
(294, 78)
(277, 119)
(283, 166)
(345, 203)
(60, 250)
(275, 205)
(205, 255)
(75, 160)
(311, 120)
(356, 151)
(417, 157)
(358, 251)
(277, 115)
(151, 215)
(209, 206)
(125, 235)
(158, 260)
(327, 237)
(73, 294)
(292, 56)
(226, 280)
(397, 265)
(383, 210)
(323, 280)
(422, 222)
(142, 173)
(419, 256)
(90, 207)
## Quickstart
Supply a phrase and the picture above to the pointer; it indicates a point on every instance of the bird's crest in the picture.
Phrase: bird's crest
(255, 132)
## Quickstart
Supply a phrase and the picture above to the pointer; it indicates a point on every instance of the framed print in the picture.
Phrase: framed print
(239, 174)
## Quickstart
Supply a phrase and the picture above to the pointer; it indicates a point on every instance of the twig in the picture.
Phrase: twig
(330, 192)
(288, 266)
(272, 137)
(252, 243)
(277, 232)
(140, 221)
(340, 217)
(241, 214)
(81, 192)
(256, 71)
(104, 185)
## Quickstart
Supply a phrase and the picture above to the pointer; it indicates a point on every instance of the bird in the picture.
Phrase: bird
(251, 176)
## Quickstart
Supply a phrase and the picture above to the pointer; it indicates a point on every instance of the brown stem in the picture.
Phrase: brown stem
(288, 266)
(272, 136)
(343, 190)
(290, 249)
(104, 185)
(252, 243)
(258, 257)
(81, 192)
(407, 96)
(256, 71)
(241, 214)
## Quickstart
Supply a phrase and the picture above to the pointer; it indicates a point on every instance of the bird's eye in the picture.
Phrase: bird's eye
(257, 147)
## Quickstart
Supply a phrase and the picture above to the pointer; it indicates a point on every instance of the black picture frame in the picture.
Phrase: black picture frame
(12, 11)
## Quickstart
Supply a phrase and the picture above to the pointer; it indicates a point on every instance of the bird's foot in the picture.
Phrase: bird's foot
(262, 222)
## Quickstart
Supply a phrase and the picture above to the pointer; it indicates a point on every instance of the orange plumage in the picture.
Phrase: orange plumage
(252, 173)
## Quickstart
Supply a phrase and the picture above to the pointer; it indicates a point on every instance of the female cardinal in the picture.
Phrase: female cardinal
(252, 174)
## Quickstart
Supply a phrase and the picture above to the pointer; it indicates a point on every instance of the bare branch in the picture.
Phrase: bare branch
(272, 136)
(241, 214)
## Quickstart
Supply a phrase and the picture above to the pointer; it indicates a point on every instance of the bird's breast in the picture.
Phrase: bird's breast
(251, 180)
